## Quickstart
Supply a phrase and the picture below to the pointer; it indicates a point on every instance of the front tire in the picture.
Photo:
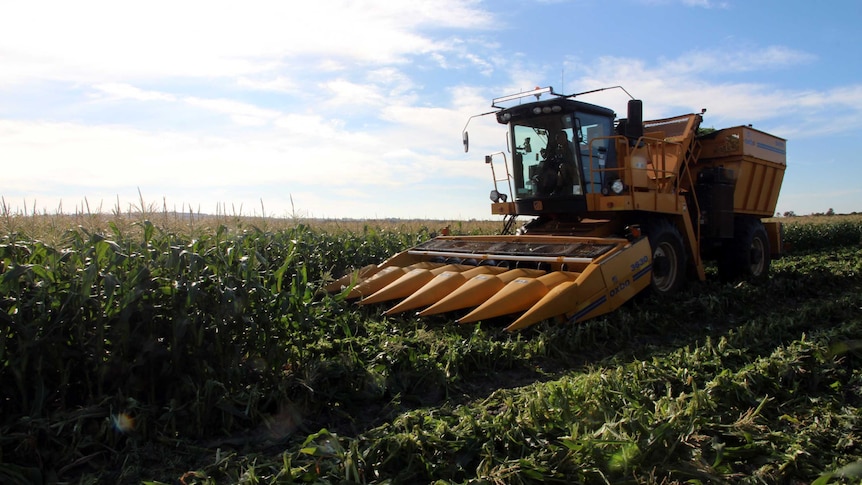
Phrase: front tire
(668, 256)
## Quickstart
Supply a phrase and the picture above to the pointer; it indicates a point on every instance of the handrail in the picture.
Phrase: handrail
(489, 159)
(658, 160)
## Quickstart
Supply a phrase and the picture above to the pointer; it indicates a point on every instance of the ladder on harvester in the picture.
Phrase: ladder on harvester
(508, 223)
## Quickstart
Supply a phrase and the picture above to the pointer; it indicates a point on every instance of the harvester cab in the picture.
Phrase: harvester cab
(571, 146)
(584, 155)
(618, 206)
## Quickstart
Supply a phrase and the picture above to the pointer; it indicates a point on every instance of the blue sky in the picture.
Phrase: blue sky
(355, 108)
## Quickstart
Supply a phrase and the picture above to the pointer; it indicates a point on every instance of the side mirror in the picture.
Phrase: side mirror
(465, 139)
(635, 125)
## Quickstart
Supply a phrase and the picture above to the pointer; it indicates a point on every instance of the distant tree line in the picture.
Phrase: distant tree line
(830, 212)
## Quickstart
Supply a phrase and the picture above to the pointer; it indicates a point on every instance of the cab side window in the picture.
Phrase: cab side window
(593, 149)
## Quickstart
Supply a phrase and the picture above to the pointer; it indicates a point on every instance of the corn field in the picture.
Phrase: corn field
(149, 352)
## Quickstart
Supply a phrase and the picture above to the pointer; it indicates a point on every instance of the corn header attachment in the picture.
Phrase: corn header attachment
(533, 278)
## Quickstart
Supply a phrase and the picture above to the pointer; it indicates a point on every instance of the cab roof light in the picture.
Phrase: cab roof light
(535, 92)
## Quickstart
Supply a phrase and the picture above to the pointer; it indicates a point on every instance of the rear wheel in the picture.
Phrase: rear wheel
(668, 256)
(747, 255)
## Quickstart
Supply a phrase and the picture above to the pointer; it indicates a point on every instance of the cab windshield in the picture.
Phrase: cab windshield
(545, 161)
(561, 155)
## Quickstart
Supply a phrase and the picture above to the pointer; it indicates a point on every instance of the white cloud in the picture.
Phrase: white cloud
(341, 93)
(120, 91)
(241, 113)
(304, 125)
(301, 148)
(278, 83)
(736, 59)
(689, 83)
(120, 42)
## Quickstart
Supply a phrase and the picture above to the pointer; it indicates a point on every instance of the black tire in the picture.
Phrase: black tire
(668, 256)
(747, 256)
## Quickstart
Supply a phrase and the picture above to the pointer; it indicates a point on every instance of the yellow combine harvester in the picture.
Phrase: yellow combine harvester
(618, 206)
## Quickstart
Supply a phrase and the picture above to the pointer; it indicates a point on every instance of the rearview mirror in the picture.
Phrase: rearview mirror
(465, 139)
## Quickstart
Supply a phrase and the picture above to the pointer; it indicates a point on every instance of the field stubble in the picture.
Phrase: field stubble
(133, 351)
